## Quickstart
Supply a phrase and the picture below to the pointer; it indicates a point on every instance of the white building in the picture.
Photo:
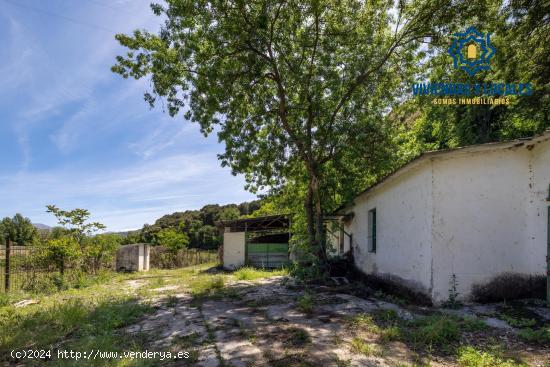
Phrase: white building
(475, 212)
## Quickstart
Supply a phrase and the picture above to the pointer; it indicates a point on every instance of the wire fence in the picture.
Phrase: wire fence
(164, 258)
(17, 268)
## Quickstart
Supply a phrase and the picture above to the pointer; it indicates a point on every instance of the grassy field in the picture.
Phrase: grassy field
(91, 316)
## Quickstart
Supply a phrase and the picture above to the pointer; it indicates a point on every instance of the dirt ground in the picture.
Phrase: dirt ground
(274, 322)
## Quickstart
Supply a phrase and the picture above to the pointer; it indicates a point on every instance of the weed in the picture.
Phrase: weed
(358, 345)
(471, 357)
(305, 303)
(452, 301)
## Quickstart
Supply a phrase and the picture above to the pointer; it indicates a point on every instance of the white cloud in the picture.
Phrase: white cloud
(126, 197)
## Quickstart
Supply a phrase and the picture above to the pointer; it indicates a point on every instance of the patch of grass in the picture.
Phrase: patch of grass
(473, 324)
(90, 316)
(362, 321)
(298, 337)
(389, 315)
(171, 301)
(306, 303)
(471, 357)
(435, 330)
(390, 334)
(518, 322)
(535, 336)
(358, 345)
(250, 273)
(206, 285)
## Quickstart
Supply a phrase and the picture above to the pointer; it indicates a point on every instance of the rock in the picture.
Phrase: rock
(26, 302)
(497, 323)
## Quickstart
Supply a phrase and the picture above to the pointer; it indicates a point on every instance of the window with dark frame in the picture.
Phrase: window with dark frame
(372, 230)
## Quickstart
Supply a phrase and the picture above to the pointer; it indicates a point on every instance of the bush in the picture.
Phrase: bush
(510, 286)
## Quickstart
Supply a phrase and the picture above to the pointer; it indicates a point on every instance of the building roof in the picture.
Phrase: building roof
(527, 142)
(271, 222)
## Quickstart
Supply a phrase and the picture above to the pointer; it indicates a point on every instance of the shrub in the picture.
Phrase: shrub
(509, 286)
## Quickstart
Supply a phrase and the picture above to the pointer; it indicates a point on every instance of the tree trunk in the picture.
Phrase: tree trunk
(319, 237)
(310, 215)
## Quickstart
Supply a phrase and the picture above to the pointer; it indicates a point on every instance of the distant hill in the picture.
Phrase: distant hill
(41, 226)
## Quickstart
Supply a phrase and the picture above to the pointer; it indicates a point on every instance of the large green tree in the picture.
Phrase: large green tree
(520, 31)
(291, 87)
(18, 229)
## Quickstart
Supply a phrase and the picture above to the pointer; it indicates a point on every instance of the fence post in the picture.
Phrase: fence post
(7, 267)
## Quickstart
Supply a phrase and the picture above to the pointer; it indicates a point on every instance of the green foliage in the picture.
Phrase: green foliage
(172, 239)
(18, 229)
(87, 314)
(518, 322)
(435, 330)
(472, 357)
(358, 345)
(100, 250)
(60, 252)
(362, 321)
(298, 91)
(452, 301)
(298, 337)
(306, 303)
(198, 225)
(249, 273)
(538, 336)
(75, 222)
(206, 285)
(519, 32)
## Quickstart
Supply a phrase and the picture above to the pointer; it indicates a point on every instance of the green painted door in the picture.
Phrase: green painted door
(267, 255)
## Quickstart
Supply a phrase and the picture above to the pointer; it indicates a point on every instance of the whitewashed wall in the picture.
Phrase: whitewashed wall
(233, 250)
(480, 218)
(472, 213)
(403, 211)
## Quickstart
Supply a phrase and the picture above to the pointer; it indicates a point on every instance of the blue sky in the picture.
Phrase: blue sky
(74, 134)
